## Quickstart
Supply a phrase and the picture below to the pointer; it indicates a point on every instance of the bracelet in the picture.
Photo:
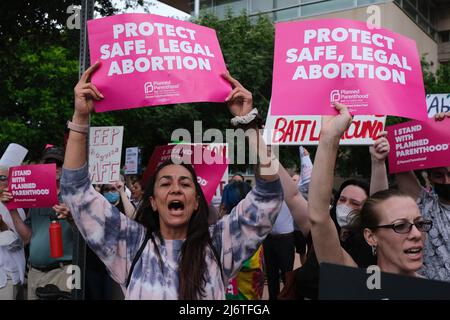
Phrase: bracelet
(80, 128)
(249, 117)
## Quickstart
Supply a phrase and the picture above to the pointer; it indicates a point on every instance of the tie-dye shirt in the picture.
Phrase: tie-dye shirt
(115, 238)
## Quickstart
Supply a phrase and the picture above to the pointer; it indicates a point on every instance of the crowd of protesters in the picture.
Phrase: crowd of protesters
(161, 239)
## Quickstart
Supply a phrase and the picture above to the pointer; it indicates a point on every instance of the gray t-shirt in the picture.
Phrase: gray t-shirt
(436, 261)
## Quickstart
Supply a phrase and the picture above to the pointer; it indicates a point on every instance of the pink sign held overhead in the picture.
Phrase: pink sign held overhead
(371, 71)
(150, 60)
(419, 145)
(208, 160)
(32, 186)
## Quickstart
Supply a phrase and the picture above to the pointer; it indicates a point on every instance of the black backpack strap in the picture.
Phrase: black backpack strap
(137, 256)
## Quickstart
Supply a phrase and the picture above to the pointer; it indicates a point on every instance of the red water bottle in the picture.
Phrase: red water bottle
(56, 244)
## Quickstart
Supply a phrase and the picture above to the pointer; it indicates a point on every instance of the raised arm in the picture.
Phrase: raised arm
(130, 210)
(240, 102)
(378, 153)
(113, 237)
(85, 94)
(238, 235)
(323, 230)
(297, 205)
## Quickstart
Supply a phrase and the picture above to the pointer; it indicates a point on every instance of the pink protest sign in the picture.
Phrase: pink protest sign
(209, 162)
(32, 186)
(150, 60)
(371, 71)
(418, 145)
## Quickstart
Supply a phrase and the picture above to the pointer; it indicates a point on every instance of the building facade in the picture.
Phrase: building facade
(425, 21)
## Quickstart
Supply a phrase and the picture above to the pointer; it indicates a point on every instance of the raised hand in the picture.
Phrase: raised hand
(119, 186)
(441, 116)
(240, 100)
(381, 147)
(86, 92)
(335, 126)
(5, 196)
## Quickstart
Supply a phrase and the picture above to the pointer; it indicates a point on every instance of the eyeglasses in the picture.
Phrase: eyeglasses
(405, 227)
(3, 178)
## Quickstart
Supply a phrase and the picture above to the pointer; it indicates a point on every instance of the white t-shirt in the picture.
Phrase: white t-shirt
(12, 255)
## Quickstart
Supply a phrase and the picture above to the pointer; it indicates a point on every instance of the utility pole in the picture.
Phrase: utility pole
(79, 245)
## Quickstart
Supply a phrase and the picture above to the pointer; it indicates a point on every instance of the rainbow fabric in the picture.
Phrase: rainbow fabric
(249, 282)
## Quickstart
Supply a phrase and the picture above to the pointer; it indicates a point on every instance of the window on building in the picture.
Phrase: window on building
(364, 2)
(313, 8)
(261, 6)
(221, 7)
(289, 13)
(444, 36)
(424, 8)
(410, 9)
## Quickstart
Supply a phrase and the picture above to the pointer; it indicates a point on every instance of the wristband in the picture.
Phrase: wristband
(80, 128)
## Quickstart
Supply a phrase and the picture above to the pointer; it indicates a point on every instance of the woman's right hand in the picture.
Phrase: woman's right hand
(335, 126)
(5, 196)
(86, 92)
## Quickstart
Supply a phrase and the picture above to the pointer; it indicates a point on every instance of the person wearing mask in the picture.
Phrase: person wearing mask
(389, 220)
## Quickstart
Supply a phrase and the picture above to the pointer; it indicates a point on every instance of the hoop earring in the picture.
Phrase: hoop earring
(374, 250)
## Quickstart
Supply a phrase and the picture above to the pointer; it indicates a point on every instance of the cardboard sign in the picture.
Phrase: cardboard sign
(208, 161)
(105, 150)
(13, 155)
(371, 71)
(305, 130)
(32, 186)
(437, 103)
(132, 160)
(150, 60)
(419, 145)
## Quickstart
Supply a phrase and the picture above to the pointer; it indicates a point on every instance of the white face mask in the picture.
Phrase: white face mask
(343, 215)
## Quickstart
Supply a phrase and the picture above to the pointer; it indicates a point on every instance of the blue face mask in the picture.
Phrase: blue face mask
(112, 196)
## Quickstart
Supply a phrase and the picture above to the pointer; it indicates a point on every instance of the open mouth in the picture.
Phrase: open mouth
(413, 251)
(176, 205)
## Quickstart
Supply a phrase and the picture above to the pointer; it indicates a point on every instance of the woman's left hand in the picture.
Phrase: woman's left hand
(240, 100)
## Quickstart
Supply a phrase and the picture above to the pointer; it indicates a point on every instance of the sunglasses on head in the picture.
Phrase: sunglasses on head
(405, 227)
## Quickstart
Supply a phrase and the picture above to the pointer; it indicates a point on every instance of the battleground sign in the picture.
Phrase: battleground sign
(150, 60)
(371, 71)
(305, 130)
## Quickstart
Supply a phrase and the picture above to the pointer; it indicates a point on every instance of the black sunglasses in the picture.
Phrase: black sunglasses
(405, 227)
(3, 178)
